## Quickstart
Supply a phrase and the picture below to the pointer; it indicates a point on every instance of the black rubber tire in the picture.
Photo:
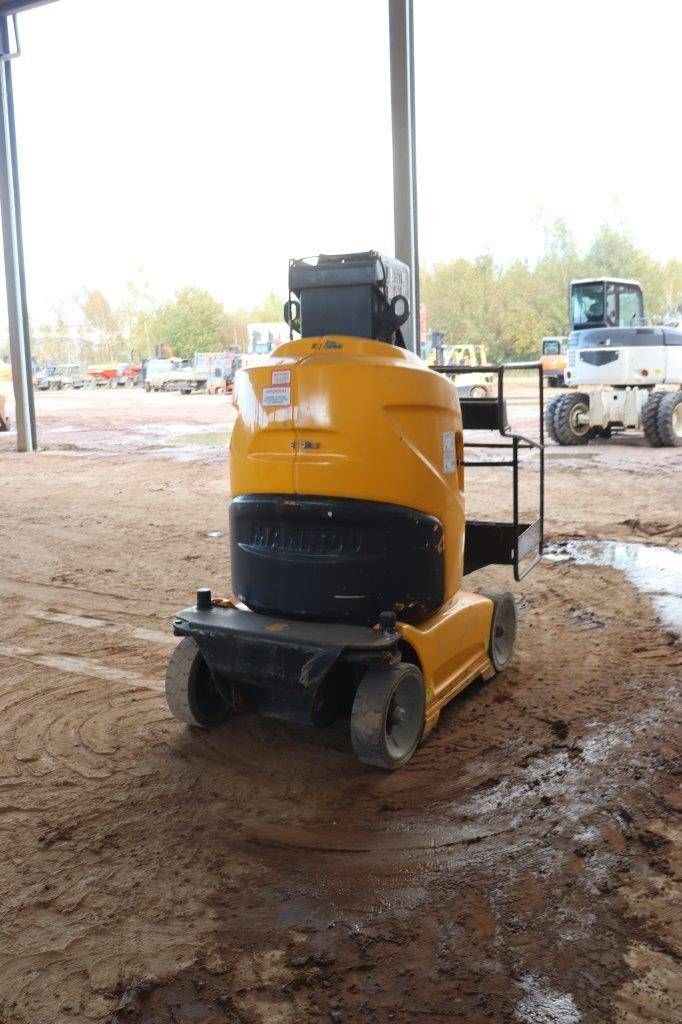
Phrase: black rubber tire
(669, 419)
(380, 738)
(650, 419)
(550, 412)
(564, 419)
(191, 694)
(502, 628)
(478, 391)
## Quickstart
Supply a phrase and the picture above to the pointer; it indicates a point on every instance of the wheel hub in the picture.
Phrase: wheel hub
(403, 721)
(398, 715)
(677, 420)
(580, 419)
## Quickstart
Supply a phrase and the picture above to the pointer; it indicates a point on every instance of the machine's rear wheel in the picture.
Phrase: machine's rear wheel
(478, 391)
(550, 412)
(567, 428)
(502, 628)
(191, 694)
(387, 719)
(650, 419)
(669, 419)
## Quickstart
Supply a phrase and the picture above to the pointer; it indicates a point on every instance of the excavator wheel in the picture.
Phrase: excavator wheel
(566, 426)
(550, 412)
(502, 628)
(387, 719)
(191, 694)
(650, 419)
(669, 419)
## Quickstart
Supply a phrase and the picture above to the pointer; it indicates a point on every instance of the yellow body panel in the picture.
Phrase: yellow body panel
(366, 420)
(452, 647)
(363, 419)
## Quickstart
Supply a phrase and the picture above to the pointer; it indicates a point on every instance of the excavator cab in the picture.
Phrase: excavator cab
(605, 302)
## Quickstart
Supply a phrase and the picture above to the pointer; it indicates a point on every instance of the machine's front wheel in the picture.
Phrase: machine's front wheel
(669, 419)
(502, 628)
(568, 413)
(387, 719)
(650, 419)
(191, 694)
(550, 413)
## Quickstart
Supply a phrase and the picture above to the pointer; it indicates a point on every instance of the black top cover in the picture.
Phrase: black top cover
(352, 293)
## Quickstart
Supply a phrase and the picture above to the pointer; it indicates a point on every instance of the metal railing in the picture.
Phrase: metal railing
(491, 414)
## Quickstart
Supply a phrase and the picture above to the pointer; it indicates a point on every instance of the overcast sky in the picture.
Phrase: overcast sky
(209, 147)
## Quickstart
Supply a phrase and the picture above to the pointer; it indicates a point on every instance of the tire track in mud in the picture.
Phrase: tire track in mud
(64, 734)
(173, 849)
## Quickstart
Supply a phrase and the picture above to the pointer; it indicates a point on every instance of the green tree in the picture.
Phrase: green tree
(509, 309)
(193, 322)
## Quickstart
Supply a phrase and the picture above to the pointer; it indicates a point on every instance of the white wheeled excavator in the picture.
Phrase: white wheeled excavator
(628, 373)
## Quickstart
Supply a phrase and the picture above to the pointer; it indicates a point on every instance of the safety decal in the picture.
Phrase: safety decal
(281, 377)
(276, 396)
(449, 459)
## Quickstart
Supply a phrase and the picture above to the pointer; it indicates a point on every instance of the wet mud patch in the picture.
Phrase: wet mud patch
(653, 570)
(514, 871)
(525, 862)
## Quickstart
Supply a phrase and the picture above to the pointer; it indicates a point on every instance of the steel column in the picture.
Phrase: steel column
(17, 310)
(401, 34)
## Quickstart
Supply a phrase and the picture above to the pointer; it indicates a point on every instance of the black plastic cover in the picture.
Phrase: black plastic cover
(335, 559)
(348, 294)
(599, 357)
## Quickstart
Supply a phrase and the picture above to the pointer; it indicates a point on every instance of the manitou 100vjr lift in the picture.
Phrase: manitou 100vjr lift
(348, 532)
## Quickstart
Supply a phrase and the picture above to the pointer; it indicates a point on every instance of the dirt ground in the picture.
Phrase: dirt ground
(523, 867)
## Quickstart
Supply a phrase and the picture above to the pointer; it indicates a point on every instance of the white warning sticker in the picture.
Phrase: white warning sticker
(281, 377)
(276, 396)
(449, 457)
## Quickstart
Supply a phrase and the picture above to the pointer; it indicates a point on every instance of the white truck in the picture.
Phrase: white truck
(55, 378)
(186, 375)
(628, 373)
(174, 375)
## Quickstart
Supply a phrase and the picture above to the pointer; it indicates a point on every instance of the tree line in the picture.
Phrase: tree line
(508, 308)
(192, 321)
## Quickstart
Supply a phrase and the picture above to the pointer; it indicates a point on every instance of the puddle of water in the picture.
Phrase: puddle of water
(653, 570)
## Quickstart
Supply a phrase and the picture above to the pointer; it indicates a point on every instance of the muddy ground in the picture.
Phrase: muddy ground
(523, 867)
